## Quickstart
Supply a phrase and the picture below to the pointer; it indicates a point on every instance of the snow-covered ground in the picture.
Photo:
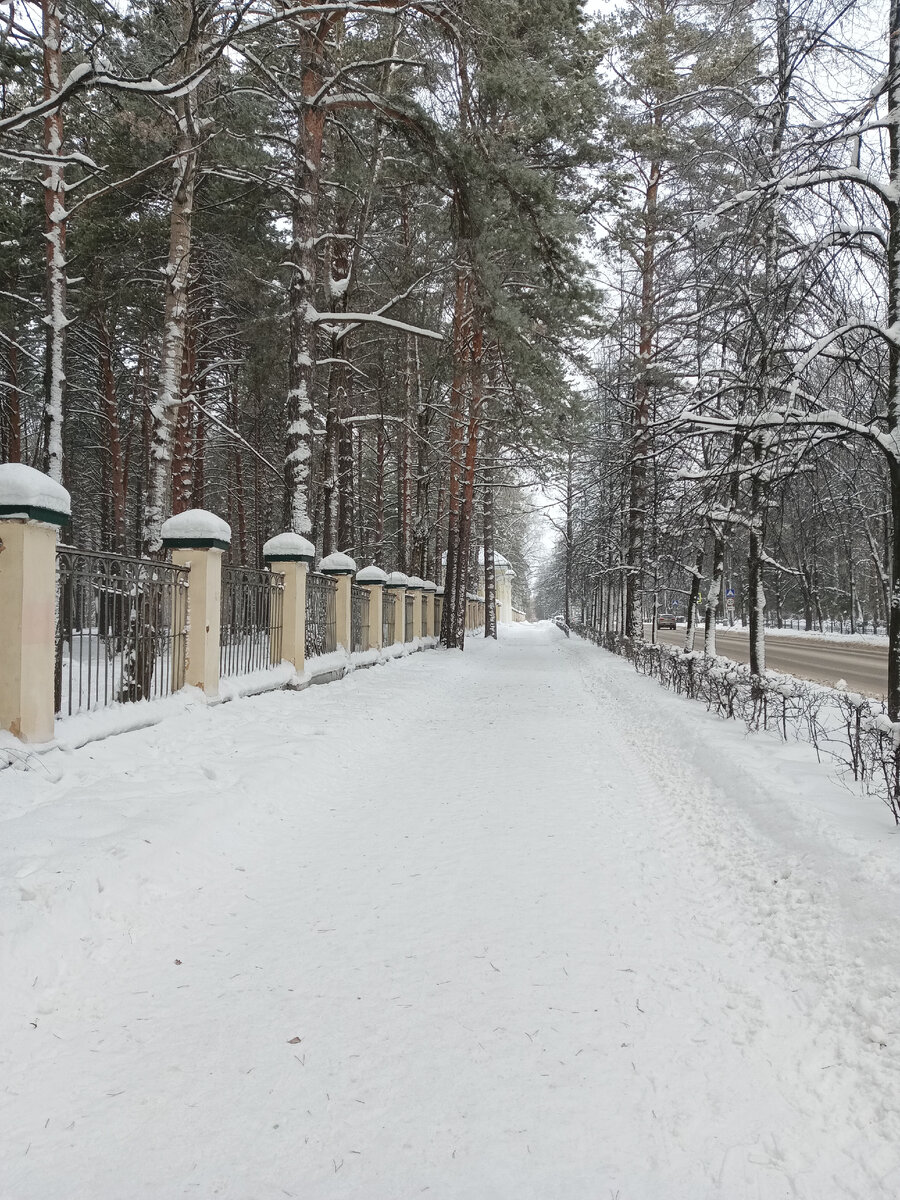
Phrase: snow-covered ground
(509, 924)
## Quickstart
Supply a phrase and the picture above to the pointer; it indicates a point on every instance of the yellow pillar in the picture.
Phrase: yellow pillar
(342, 568)
(198, 539)
(428, 627)
(416, 585)
(397, 582)
(290, 555)
(372, 578)
(32, 507)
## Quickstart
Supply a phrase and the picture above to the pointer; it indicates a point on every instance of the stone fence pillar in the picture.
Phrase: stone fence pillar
(290, 555)
(438, 610)
(372, 578)
(342, 568)
(197, 539)
(416, 585)
(397, 582)
(32, 508)
(428, 626)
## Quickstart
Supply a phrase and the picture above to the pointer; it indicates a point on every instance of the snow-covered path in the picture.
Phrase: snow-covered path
(509, 924)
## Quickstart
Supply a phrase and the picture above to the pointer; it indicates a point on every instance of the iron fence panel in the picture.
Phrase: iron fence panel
(359, 617)
(121, 629)
(251, 620)
(388, 617)
(408, 618)
(320, 614)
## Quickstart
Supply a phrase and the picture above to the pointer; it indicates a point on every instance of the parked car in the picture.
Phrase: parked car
(666, 621)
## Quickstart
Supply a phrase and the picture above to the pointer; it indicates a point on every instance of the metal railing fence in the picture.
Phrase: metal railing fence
(359, 617)
(408, 618)
(388, 617)
(252, 618)
(121, 628)
(320, 614)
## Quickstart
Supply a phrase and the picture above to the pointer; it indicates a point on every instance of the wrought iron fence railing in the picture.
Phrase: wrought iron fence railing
(320, 614)
(252, 617)
(388, 617)
(359, 617)
(121, 626)
(408, 631)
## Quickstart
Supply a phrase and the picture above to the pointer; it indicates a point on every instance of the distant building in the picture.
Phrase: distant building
(503, 577)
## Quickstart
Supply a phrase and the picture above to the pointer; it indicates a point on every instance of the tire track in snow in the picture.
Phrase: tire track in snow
(770, 906)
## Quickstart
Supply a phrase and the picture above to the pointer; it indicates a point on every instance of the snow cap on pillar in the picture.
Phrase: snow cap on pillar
(371, 574)
(415, 583)
(337, 564)
(396, 579)
(196, 529)
(30, 495)
(288, 547)
(429, 586)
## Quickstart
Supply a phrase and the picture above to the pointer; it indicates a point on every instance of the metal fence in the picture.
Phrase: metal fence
(388, 617)
(121, 628)
(252, 620)
(359, 617)
(408, 618)
(320, 614)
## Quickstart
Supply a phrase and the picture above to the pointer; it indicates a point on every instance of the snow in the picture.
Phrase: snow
(21, 484)
(288, 546)
(196, 523)
(499, 560)
(371, 574)
(397, 579)
(429, 586)
(415, 582)
(338, 563)
(588, 941)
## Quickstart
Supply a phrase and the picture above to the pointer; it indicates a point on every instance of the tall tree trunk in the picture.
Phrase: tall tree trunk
(893, 317)
(113, 438)
(164, 408)
(696, 580)
(641, 437)
(755, 576)
(467, 505)
(457, 398)
(378, 514)
(490, 578)
(714, 593)
(12, 447)
(306, 186)
(183, 450)
(55, 233)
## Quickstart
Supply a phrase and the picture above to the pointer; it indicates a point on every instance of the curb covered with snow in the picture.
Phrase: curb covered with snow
(82, 728)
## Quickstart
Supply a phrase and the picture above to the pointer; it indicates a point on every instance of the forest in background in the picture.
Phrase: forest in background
(394, 275)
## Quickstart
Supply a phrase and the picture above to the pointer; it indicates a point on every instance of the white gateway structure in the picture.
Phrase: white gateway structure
(503, 577)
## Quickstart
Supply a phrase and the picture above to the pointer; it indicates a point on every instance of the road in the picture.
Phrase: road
(822, 660)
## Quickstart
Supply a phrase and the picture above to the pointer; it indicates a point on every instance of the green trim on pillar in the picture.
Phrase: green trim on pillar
(198, 543)
(31, 512)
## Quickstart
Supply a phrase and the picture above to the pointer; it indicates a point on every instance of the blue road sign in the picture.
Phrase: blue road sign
(729, 595)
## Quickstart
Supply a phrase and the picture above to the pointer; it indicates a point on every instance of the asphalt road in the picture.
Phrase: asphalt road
(822, 660)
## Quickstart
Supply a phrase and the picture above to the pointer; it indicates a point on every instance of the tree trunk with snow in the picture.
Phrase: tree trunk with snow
(641, 437)
(305, 192)
(490, 578)
(165, 404)
(115, 470)
(696, 580)
(55, 233)
(457, 399)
